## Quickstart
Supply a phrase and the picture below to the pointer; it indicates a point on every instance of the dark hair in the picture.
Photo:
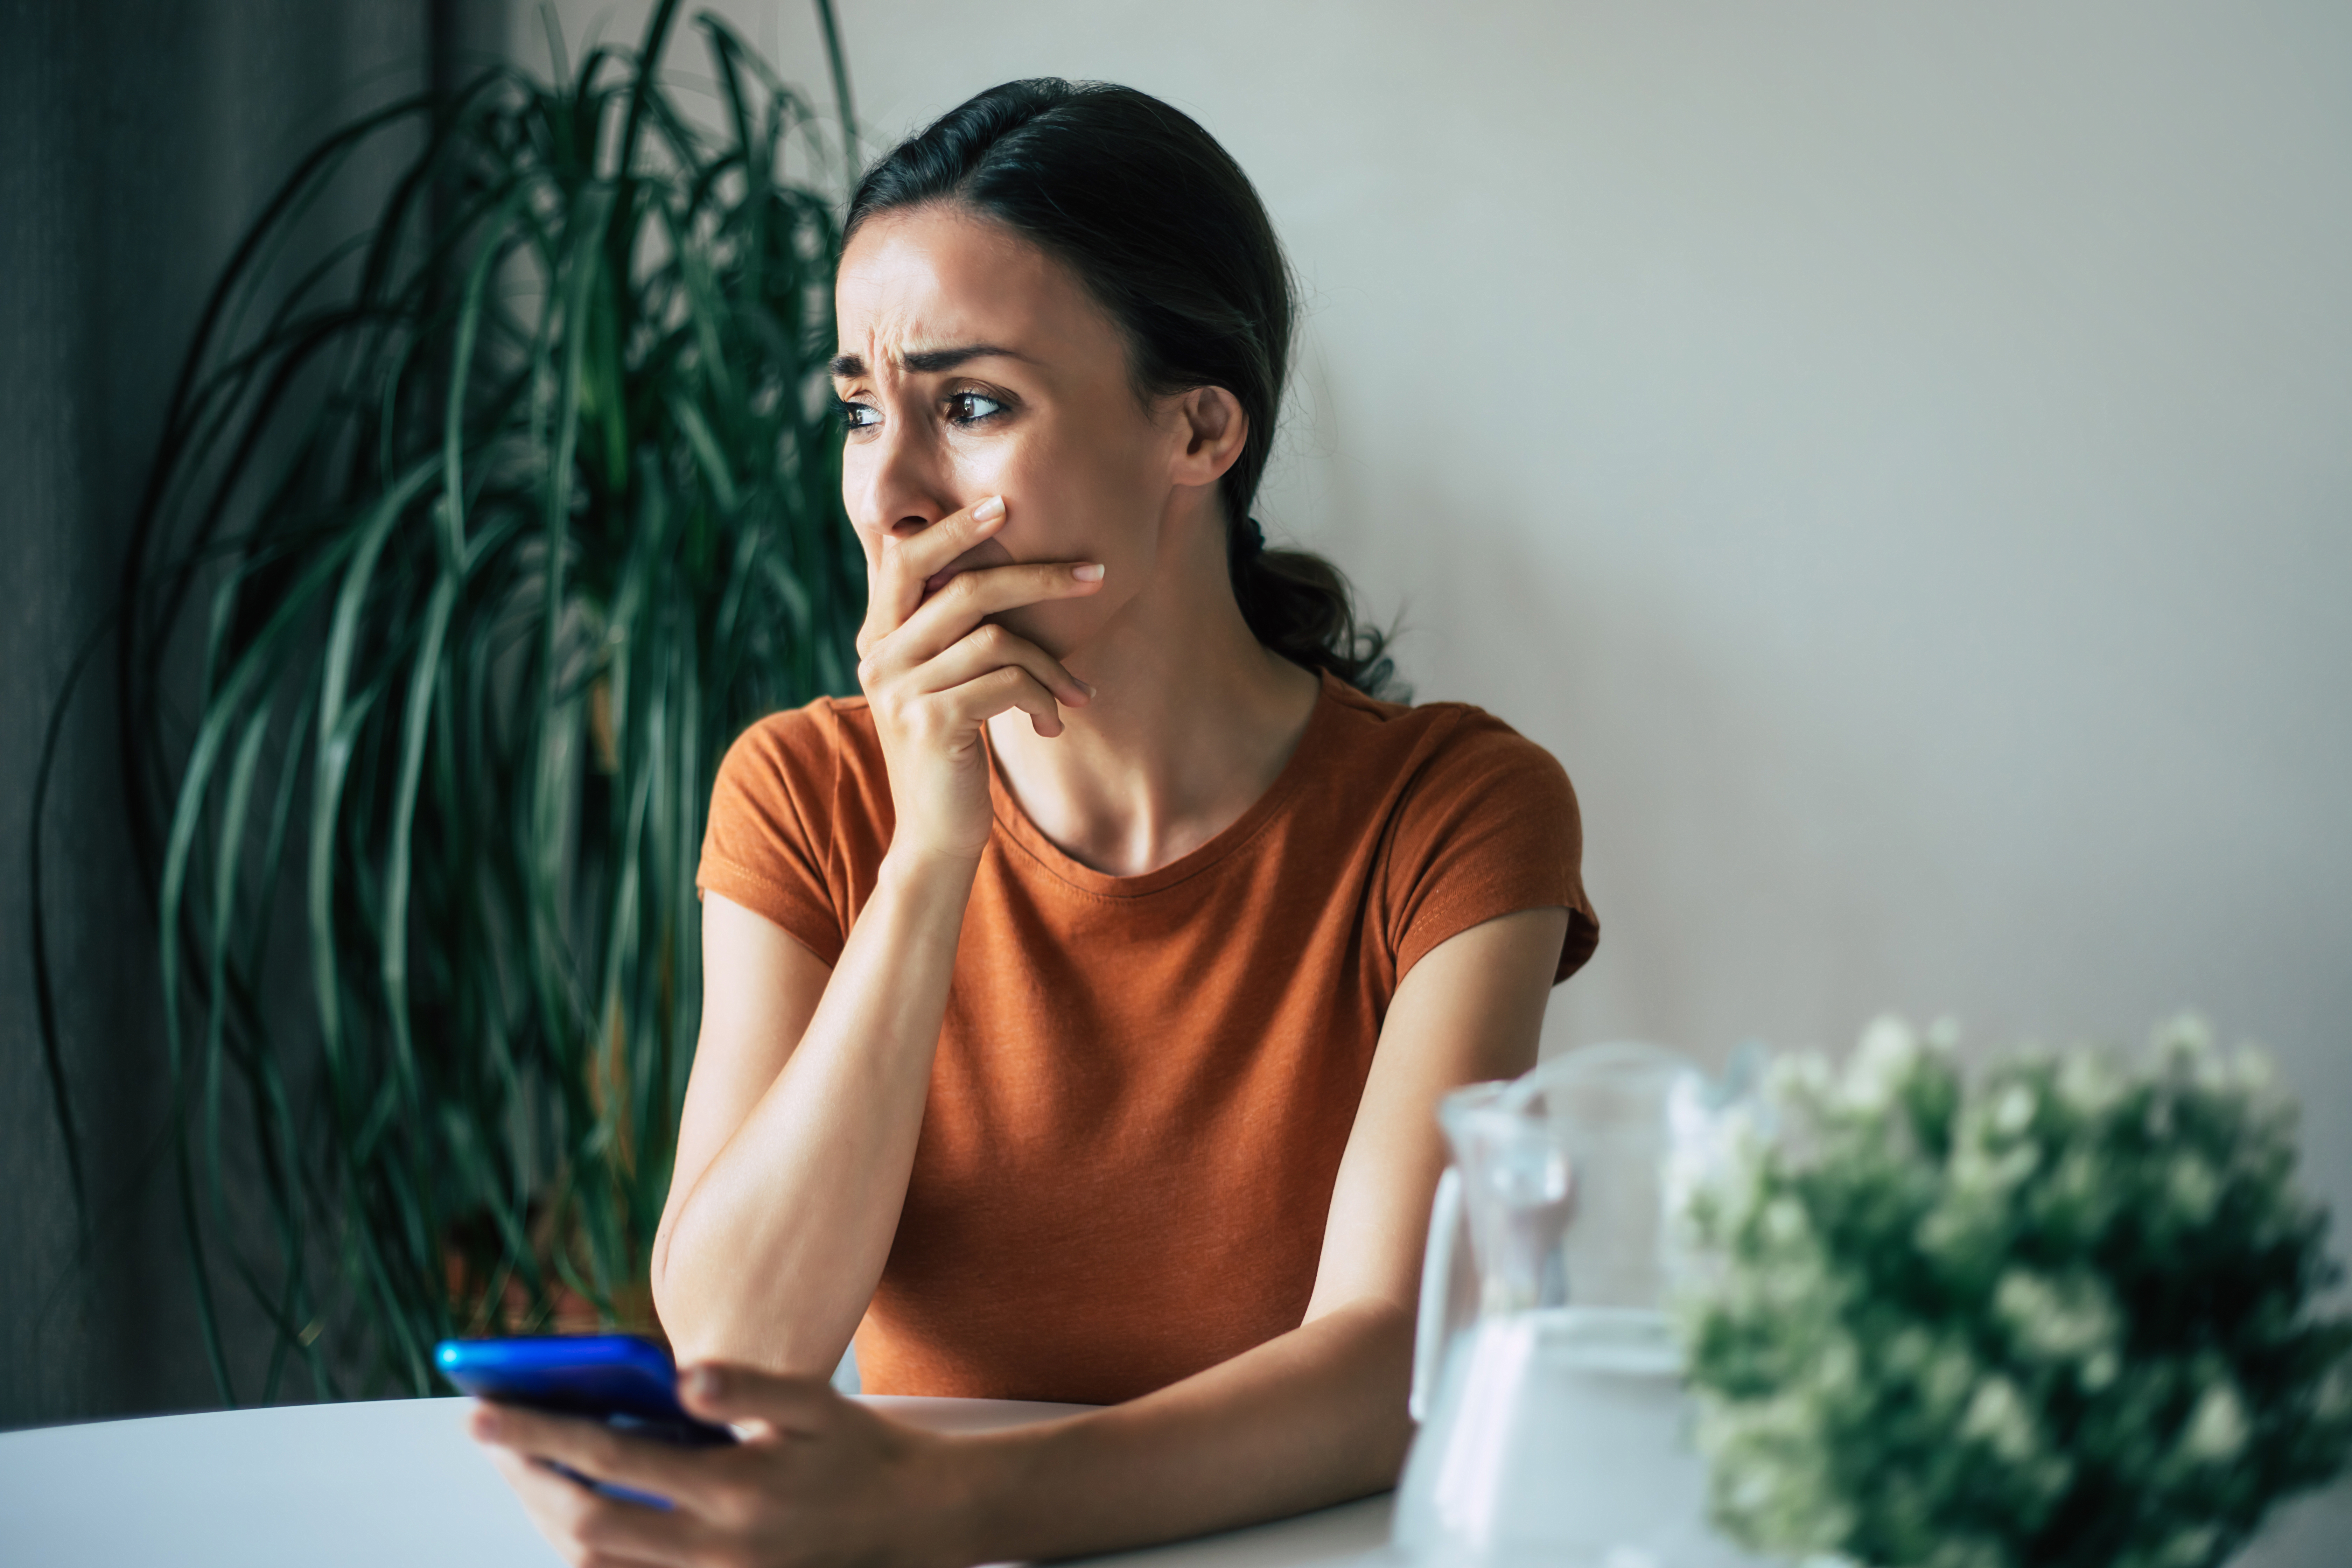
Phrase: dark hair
(1164, 230)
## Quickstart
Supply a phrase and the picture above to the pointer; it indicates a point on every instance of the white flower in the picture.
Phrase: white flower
(2088, 1083)
(2335, 1400)
(2215, 1432)
(2183, 1035)
(2078, 1179)
(2073, 1318)
(1883, 1061)
(2185, 1045)
(1949, 1375)
(2251, 1066)
(1998, 1418)
(1801, 1081)
(1838, 1370)
(2193, 1188)
(2189, 1548)
(1784, 1220)
(2012, 1110)
(1977, 1171)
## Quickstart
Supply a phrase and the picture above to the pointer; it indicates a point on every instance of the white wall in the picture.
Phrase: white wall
(1898, 456)
(1900, 460)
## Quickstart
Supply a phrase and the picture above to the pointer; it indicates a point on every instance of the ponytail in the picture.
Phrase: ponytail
(1300, 605)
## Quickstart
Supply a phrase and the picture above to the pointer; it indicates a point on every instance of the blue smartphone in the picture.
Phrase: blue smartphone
(626, 1382)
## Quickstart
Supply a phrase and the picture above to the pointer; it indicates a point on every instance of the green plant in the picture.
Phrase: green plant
(2065, 1312)
(467, 552)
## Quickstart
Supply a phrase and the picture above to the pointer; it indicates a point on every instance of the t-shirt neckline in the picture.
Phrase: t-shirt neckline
(1014, 822)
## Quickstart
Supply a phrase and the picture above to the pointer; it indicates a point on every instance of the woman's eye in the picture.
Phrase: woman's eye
(971, 407)
(855, 415)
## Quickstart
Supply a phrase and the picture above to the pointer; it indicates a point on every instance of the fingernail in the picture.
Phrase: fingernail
(704, 1383)
(1085, 687)
(989, 510)
(1090, 572)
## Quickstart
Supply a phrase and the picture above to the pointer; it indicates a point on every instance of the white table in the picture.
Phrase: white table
(398, 1482)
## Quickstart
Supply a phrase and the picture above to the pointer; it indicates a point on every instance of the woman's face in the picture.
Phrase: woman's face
(972, 364)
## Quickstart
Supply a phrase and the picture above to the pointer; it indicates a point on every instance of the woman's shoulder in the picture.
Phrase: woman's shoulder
(821, 727)
(1478, 820)
(802, 761)
(792, 807)
(818, 739)
(1440, 746)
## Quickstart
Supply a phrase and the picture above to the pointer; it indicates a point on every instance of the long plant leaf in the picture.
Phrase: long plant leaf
(472, 541)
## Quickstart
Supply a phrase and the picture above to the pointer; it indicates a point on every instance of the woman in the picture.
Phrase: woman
(1076, 1001)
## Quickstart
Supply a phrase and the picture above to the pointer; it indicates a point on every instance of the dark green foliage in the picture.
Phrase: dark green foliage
(475, 546)
(2062, 1315)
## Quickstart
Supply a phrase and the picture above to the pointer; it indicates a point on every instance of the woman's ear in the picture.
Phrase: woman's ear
(1214, 429)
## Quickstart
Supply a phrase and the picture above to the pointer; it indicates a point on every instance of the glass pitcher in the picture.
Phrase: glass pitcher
(1545, 1375)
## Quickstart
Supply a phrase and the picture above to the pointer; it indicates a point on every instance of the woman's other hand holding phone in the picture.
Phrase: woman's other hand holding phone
(936, 668)
(816, 1479)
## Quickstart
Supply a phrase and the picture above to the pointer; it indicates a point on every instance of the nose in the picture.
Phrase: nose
(895, 483)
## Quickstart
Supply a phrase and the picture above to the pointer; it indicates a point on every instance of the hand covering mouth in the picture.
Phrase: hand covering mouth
(987, 552)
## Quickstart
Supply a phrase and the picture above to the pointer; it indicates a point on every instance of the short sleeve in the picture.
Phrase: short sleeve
(769, 841)
(1489, 827)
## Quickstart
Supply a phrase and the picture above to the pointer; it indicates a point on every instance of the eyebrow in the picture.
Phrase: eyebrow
(930, 362)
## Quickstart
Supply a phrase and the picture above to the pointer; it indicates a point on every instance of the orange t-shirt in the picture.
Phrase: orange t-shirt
(1144, 1084)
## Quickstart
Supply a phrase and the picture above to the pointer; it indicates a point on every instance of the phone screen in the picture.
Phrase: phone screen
(627, 1383)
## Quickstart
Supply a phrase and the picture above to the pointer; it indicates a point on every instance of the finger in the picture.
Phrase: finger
(719, 1393)
(955, 609)
(611, 1532)
(904, 563)
(1000, 691)
(990, 646)
(595, 1449)
(586, 1528)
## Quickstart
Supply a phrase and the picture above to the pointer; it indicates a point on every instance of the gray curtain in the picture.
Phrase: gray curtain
(137, 140)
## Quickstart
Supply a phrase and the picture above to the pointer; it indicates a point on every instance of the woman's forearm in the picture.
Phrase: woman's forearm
(770, 1258)
(1313, 1417)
